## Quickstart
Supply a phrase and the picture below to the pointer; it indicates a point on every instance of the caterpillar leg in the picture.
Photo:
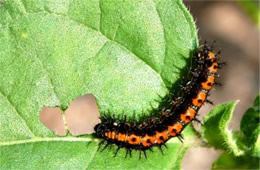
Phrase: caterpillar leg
(107, 144)
(180, 137)
(209, 101)
(160, 148)
(101, 143)
(118, 148)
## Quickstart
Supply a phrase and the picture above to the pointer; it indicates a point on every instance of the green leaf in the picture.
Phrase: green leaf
(244, 144)
(229, 161)
(215, 128)
(126, 53)
(251, 8)
(250, 126)
(257, 102)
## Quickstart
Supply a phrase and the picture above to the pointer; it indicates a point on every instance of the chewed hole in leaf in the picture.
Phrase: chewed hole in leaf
(52, 118)
(80, 117)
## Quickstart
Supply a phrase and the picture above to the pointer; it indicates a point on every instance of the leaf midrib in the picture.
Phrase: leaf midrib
(49, 139)
(61, 139)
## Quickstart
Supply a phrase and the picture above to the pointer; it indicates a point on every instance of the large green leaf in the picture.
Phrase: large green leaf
(126, 53)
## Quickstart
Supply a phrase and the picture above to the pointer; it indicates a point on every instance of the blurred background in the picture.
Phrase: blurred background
(235, 27)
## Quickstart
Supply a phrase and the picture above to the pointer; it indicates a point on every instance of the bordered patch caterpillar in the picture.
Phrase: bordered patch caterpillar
(177, 113)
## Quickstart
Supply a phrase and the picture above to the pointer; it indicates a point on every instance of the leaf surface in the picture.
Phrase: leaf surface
(215, 128)
(125, 53)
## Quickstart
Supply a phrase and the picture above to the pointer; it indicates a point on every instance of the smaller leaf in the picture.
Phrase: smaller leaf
(229, 161)
(257, 101)
(215, 128)
(251, 129)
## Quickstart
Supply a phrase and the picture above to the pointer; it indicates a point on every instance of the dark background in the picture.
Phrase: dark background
(237, 37)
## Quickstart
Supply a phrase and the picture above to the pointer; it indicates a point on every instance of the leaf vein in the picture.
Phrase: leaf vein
(18, 113)
(100, 17)
(96, 53)
(48, 76)
(92, 156)
(116, 42)
(164, 35)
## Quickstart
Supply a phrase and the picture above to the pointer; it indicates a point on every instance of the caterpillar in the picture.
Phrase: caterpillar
(177, 112)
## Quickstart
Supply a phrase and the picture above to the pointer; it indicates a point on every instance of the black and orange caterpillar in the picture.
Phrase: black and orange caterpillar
(172, 118)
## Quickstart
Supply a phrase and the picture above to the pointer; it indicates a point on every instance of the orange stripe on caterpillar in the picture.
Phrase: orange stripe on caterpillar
(161, 137)
(175, 129)
(207, 85)
(212, 56)
(148, 140)
(214, 67)
(134, 140)
(122, 137)
(200, 99)
(110, 135)
(188, 116)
